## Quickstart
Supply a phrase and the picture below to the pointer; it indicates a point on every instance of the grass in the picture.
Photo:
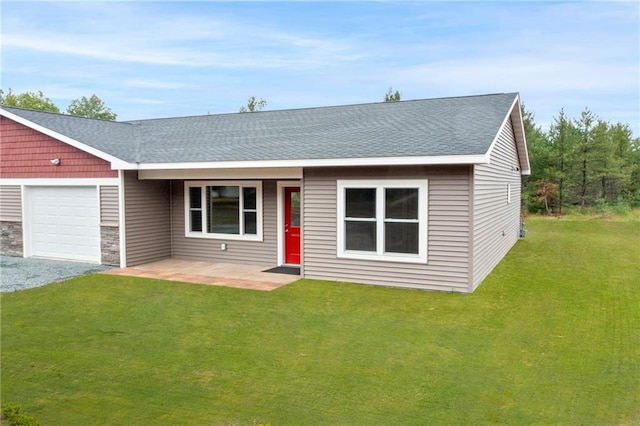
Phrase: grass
(551, 337)
(619, 212)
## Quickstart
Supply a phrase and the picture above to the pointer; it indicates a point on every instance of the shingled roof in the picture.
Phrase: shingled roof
(442, 127)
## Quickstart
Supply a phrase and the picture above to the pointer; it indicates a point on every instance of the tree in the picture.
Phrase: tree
(92, 107)
(539, 156)
(29, 100)
(585, 152)
(633, 189)
(546, 192)
(621, 168)
(609, 162)
(392, 96)
(253, 105)
(562, 142)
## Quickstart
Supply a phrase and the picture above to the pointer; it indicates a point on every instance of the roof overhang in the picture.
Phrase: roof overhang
(515, 115)
(281, 173)
(321, 162)
(116, 163)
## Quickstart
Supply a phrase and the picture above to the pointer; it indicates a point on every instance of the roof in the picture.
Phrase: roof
(444, 127)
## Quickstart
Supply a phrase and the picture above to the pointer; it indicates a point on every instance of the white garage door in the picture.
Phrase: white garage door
(64, 222)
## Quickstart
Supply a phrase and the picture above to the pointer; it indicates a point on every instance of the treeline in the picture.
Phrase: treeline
(583, 161)
(92, 107)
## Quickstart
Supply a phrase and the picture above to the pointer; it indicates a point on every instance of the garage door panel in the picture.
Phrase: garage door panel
(64, 223)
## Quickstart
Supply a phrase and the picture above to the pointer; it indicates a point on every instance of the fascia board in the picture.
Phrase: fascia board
(237, 173)
(526, 168)
(504, 121)
(329, 162)
(521, 143)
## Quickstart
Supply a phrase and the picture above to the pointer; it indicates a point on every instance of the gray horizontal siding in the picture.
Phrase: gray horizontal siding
(109, 205)
(147, 220)
(448, 230)
(248, 252)
(10, 203)
(496, 223)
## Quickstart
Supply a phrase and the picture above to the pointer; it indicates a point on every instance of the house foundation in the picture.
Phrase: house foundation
(11, 238)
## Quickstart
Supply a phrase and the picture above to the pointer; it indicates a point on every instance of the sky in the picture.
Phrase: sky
(154, 59)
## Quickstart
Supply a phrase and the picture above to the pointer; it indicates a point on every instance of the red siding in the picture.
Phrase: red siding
(27, 153)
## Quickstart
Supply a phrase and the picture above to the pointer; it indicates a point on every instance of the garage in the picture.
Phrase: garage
(62, 222)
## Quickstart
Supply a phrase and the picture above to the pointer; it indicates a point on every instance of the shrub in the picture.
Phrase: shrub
(621, 207)
(11, 415)
(634, 199)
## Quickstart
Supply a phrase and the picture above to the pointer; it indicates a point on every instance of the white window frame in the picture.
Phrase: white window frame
(258, 236)
(379, 255)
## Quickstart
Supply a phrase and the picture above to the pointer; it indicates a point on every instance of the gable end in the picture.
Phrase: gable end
(514, 120)
(28, 153)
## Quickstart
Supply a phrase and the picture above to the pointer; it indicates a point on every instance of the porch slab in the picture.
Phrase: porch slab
(250, 277)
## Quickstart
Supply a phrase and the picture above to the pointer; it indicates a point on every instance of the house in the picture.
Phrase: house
(420, 194)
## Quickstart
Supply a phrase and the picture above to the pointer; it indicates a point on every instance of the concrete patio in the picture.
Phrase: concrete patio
(250, 277)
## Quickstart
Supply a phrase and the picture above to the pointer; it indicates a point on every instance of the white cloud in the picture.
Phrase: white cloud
(140, 83)
(211, 56)
(174, 40)
(514, 72)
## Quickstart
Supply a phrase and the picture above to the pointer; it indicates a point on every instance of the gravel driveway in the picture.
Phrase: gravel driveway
(17, 273)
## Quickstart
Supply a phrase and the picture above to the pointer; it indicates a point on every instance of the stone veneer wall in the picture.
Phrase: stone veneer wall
(110, 245)
(11, 238)
(12, 245)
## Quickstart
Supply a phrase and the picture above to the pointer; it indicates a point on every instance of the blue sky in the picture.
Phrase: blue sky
(159, 59)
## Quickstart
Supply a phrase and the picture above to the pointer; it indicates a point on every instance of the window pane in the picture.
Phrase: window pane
(294, 220)
(401, 237)
(401, 203)
(223, 216)
(195, 197)
(360, 202)
(249, 198)
(250, 223)
(196, 220)
(360, 236)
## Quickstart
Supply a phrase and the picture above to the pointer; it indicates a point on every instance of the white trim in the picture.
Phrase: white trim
(239, 183)
(281, 185)
(38, 182)
(61, 181)
(525, 169)
(27, 236)
(515, 109)
(121, 219)
(504, 122)
(26, 226)
(99, 199)
(206, 174)
(380, 184)
(508, 193)
(323, 162)
(116, 163)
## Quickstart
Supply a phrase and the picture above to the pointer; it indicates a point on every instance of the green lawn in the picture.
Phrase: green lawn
(551, 337)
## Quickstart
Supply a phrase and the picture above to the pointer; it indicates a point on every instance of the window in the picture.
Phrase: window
(383, 220)
(230, 210)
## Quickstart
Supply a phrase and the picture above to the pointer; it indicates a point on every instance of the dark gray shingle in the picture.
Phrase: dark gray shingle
(430, 127)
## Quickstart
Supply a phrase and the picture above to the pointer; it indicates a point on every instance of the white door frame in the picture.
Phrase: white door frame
(282, 184)
(27, 210)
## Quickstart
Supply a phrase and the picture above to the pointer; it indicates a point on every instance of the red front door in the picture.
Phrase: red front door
(292, 225)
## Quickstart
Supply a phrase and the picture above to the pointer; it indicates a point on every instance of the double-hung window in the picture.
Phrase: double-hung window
(383, 220)
(221, 209)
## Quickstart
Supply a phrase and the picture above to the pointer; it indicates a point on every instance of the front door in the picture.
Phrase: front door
(292, 225)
